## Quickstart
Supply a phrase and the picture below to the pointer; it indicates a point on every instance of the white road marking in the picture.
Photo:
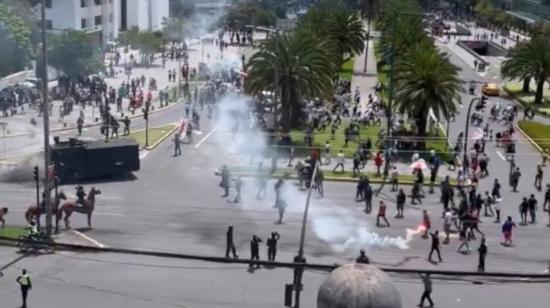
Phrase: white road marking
(143, 154)
(107, 214)
(501, 156)
(89, 239)
(205, 137)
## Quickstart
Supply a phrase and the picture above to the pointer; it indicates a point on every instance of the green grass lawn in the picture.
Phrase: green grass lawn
(539, 132)
(515, 90)
(346, 71)
(320, 138)
(12, 232)
(155, 134)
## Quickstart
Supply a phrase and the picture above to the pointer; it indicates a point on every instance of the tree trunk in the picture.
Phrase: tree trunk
(286, 110)
(539, 92)
(421, 123)
(526, 82)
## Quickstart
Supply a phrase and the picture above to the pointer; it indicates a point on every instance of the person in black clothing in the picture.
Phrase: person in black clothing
(359, 192)
(401, 198)
(255, 250)
(272, 246)
(532, 207)
(546, 197)
(496, 190)
(435, 246)
(523, 207)
(362, 257)
(368, 198)
(482, 254)
(230, 246)
(538, 177)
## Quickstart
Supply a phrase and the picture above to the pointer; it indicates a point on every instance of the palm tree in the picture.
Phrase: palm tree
(340, 31)
(426, 79)
(294, 66)
(529, 60)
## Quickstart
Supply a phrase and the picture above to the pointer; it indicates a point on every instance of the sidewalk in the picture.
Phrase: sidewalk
(365, 81)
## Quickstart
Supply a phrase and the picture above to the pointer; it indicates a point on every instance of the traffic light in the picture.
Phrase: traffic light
(35, 173)
(145, 113)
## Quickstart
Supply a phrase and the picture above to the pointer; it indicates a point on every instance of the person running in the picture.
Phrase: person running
(507, 229)
(426, 223)
(465, 241)
(340, 159)
(435, 246)
(381, 214)
(426, 295)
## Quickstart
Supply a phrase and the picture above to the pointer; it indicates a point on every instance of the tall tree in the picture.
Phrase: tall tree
(426, 79)
(72, 53)
(15, 43)
(529, 60)
(293, 65)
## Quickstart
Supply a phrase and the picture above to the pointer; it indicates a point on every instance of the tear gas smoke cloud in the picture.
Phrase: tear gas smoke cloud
(342, 229)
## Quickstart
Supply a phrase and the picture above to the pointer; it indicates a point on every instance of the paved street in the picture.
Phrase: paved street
(174, 205)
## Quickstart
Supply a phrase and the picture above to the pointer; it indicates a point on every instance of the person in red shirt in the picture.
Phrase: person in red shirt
(426, 222)
(381, 214)
(378, 161)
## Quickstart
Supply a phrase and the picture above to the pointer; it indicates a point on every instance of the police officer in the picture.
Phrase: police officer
(362, 257)
(255, 250)
(230, 246)
(272, 245)
(24, 281)
(80, 194)
(177, 142)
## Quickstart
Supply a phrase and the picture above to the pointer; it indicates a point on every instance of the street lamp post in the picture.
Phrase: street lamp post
(46, 121)
(298, 271)
(465, 157)
(390, 97)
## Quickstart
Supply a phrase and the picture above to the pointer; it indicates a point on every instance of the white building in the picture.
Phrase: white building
(144, 14)
(105, 18)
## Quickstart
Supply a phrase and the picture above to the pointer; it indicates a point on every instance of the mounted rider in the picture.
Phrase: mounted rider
(80, 194)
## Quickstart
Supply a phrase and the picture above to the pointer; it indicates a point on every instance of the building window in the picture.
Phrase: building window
(49, 24)
(82, 3)
(83, 23)
(97, 20)
(48, 4)
(97, 2)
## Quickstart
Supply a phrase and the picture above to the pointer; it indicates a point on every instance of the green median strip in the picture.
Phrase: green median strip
(346, 176)
(538, 133)
(13, 232)
(156, 135)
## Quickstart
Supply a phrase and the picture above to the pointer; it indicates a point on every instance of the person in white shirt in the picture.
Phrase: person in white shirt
(340, 159)
(415, 156)
(327, 153)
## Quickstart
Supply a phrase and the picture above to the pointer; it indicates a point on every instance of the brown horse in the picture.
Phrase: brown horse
(71, 206)
(34, 211)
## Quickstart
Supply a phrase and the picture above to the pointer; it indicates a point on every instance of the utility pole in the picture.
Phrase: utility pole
(146, 117)
(390, 98)
(465, 157)
(37, 183)
(45, 110)
(369, 15)
(299, 271)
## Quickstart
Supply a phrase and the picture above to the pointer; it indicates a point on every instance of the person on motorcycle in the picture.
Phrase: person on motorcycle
(33, 231)
(80, 194)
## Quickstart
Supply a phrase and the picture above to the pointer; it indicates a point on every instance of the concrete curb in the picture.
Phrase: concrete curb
(170, 105)
(330, 178)
(533, 142)
(152, 147)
